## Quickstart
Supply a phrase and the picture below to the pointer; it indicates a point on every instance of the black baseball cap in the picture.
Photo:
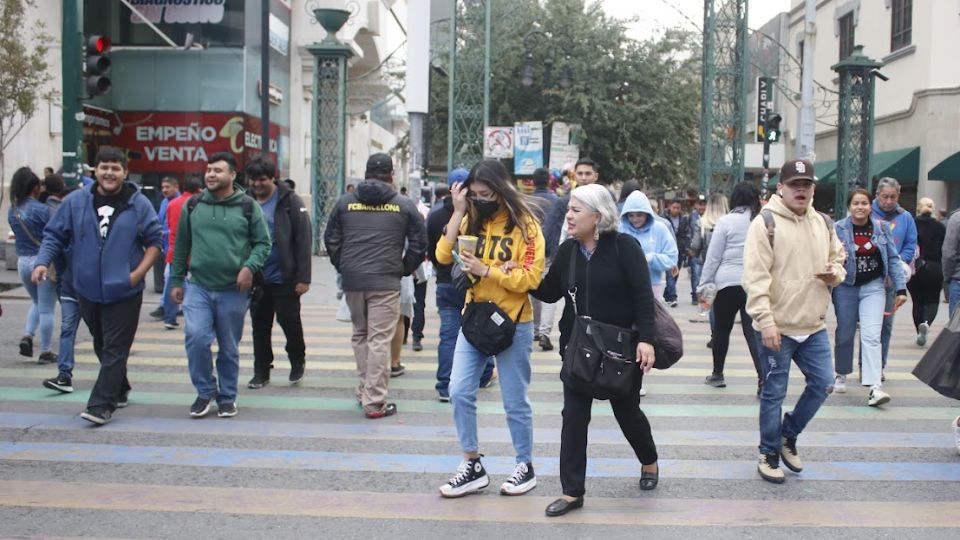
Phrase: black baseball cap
(380, 163)
(797, 169)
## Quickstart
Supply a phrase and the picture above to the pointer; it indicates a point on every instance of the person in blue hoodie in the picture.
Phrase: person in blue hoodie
(115, 237)
(639, 221)
(903, 229)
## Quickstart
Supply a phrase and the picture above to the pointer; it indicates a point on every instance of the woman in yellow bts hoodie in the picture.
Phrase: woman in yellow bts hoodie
(506, 265)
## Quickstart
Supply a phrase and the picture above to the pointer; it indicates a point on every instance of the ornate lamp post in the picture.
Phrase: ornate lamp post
(329, 113)
(855, 124)
(526, 72)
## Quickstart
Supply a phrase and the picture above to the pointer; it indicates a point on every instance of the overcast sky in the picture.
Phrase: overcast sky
(658, 14)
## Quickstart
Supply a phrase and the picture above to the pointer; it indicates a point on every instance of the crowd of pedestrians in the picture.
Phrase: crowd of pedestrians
(502, 262)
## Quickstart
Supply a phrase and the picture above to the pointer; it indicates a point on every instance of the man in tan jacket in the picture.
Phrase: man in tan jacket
(791, 260)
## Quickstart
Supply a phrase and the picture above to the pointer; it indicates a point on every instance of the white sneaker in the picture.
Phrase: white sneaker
(643, 390)
(840, 384)
(922, 331)
(877, 397)
(956, 432)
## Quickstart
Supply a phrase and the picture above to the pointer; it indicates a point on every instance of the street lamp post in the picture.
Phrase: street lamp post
(526, 72)
(854, 124)
(329, 113)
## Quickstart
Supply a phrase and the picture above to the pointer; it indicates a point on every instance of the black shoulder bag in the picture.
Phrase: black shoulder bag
(600, 358)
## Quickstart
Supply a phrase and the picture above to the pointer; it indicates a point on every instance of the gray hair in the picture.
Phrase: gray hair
(598, 199)
(887, 182)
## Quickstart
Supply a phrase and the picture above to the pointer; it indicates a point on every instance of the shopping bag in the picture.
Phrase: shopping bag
(940, 366)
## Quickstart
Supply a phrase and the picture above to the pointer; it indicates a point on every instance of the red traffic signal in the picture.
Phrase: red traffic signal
(98, 44)
(96, 65)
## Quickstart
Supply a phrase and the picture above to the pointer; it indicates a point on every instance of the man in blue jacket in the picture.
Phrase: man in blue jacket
(904, 231)
(111, 228)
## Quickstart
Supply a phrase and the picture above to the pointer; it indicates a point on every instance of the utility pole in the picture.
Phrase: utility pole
(807, 121)
(265, 79)
(71, 38)
(418, 85)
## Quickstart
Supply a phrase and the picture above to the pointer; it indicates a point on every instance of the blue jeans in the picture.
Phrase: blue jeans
(514, 367)
(670, 291)
(695, 267)
(813, 358)
(170, 308)
(210, 315)
(863, 304)
(44, 297)
(954, 295)
(450, 306)
(69, 321)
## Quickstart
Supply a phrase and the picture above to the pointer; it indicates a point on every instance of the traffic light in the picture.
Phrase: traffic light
(772, 127)
(96, 65)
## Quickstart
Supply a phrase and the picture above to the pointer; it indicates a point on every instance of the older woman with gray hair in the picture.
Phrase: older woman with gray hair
(612, 285)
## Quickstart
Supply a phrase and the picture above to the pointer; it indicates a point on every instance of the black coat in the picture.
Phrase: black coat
(612, 287)
(293, 236)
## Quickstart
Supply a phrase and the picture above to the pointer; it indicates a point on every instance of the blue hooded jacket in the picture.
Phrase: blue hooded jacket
(656, 239)
(901, 226)
(101, 267)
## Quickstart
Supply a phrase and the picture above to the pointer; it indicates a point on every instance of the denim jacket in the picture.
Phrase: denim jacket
(35, 216)
(892, 269)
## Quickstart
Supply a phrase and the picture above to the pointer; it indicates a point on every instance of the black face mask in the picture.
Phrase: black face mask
(486, 209)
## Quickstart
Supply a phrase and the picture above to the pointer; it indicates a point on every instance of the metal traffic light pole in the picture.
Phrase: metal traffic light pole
(72, 61)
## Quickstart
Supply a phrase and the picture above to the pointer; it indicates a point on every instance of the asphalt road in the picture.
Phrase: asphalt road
(302, 462)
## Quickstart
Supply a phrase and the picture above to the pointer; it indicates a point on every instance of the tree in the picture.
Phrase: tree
(23, 73)
(638, 101)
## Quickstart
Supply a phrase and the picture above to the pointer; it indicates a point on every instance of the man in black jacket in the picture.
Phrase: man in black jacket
(286, 274)
(375, 237)
(680, 227)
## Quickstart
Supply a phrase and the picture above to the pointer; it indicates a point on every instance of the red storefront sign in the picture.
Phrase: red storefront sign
(174, 142)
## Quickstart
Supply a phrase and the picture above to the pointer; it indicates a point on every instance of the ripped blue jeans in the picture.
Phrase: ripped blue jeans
(815, 360)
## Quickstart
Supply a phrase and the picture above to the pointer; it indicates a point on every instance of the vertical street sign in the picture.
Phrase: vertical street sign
(764, 105)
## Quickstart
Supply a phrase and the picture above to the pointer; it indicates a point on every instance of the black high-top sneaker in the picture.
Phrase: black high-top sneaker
(470, 478)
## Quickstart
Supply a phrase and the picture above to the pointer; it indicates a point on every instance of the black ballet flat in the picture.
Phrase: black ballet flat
(649, 480)
(561, 506)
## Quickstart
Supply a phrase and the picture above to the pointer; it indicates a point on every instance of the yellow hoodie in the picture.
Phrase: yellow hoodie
(495, 247)
(781, 287)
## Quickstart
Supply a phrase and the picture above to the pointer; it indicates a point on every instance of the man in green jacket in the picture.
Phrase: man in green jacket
(222, 240)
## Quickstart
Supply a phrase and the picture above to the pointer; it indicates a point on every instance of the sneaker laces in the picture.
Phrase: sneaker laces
(518, 474)
(463, 471)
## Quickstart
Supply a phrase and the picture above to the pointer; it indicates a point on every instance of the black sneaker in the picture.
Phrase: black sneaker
(470, 478)
(417, 346)
(48, 357)
(200, 407)
(96, 417)
(521, 481)
(258, 382)
(157, 314)
(60, 383)
(26, 346)
(396, 371)
(296, 374)
(715, 380)
(124, 400)
(171, 325)
(545, 344)
(227, 410)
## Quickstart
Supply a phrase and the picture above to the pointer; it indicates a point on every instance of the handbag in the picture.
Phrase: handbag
(51, 268)
(940, 366)
(668, 343)
(488, 328)
(600, 358)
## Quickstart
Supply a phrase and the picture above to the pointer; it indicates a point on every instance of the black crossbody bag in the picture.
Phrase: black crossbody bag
(600, 358)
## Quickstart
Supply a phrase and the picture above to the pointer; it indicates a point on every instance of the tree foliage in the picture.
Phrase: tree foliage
(638, 101)
(23, 70)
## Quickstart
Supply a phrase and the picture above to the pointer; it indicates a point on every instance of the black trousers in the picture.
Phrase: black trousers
(573, 435)
(113, 327)
(925, 288)
(158, 268)
(282, 301)
(420, 295)
(730, 301)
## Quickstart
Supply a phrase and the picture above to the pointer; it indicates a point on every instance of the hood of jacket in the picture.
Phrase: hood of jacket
(636, 202)
(889, 216)
(374, 192)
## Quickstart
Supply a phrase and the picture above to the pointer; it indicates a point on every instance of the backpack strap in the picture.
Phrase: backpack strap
(769, 223)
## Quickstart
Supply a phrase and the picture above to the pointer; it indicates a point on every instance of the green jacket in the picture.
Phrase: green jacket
(218, 240)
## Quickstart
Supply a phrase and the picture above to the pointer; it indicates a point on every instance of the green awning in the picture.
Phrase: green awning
(947, 170)
(902, 164)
